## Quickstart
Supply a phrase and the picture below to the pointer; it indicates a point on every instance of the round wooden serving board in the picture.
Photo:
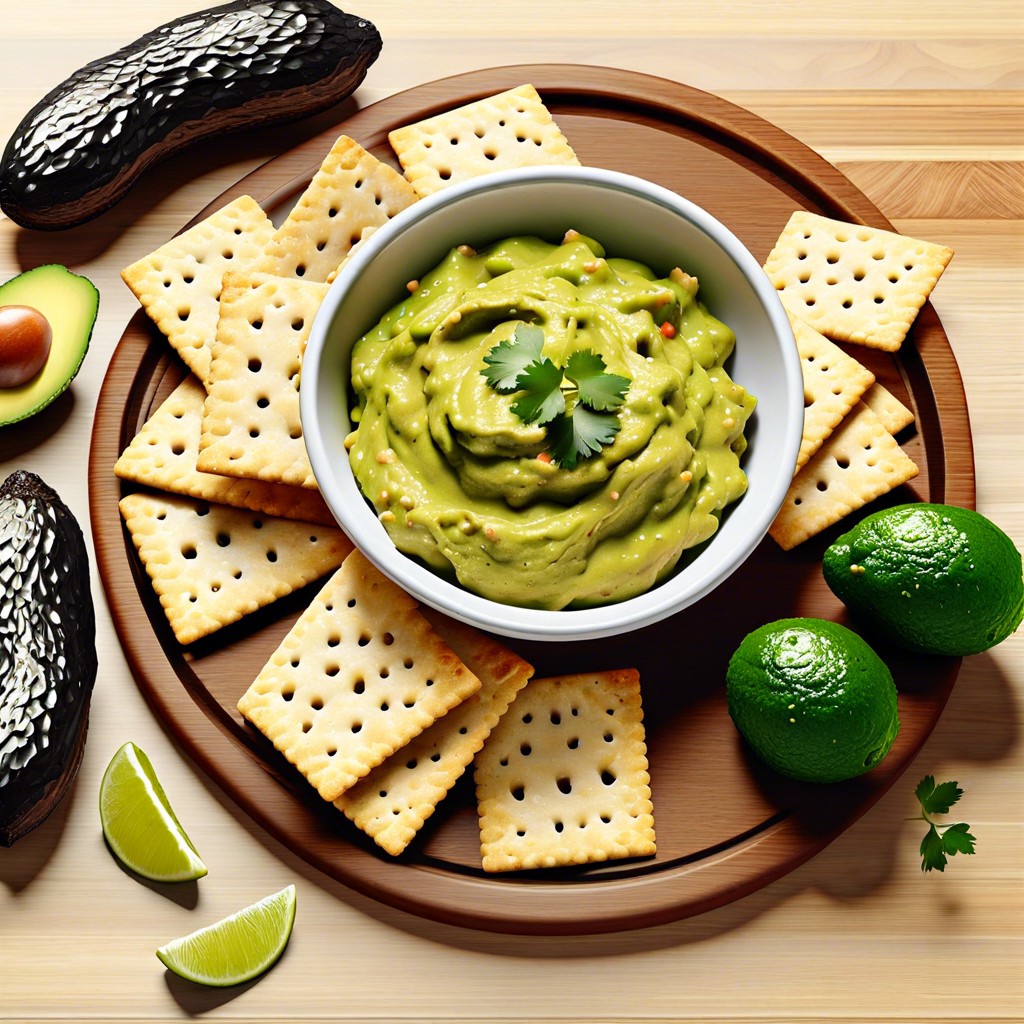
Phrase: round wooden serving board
(725, 825)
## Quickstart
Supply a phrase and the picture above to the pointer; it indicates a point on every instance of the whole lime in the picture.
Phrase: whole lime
(936, 579)
(812, 699)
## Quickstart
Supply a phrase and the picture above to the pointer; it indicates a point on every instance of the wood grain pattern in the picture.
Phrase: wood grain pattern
(855, 934)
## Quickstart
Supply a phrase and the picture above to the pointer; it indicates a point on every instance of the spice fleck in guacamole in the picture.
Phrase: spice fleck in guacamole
(463, 483)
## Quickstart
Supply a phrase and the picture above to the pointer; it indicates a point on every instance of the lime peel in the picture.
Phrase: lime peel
(140, 825)
(236, 949)
(812, 699)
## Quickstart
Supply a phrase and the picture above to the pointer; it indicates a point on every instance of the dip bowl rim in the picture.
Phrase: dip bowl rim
(682, 588)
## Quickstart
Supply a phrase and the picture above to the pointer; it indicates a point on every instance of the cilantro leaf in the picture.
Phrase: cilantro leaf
(942, 798)
(596, 388)
(924, 789)
(933, 856)
(593, 429)
(579, 420)
(956, 839)
(563, 442)
(580, 434)
(543, 400)
(941, 840)
(508, 359)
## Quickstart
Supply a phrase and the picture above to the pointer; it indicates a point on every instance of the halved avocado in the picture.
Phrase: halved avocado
(70, 303)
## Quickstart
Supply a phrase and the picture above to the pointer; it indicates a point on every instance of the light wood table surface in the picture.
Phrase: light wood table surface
(920, 105)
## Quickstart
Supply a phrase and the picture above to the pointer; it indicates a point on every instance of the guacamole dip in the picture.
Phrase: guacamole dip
(462, 483)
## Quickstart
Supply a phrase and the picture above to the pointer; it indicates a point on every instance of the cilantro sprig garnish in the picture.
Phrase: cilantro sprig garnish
(941, 841)
(577, 401)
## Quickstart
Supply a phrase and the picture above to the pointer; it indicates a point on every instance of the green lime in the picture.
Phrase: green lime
(812, 699)
(138, 822)
(239, 947)
(936, 579)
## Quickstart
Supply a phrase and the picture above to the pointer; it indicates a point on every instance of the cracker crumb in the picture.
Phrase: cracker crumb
(466, 250)
(385, 457)
(412, 286)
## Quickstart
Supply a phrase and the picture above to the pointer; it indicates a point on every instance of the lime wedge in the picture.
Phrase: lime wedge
(138, 822)
(238, 948)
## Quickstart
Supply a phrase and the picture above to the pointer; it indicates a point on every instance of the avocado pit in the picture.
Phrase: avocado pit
(25, 340)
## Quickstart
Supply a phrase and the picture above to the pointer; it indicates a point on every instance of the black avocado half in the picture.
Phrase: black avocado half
(47, 652)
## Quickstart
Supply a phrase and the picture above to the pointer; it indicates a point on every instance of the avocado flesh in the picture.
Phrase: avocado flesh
(70, 303)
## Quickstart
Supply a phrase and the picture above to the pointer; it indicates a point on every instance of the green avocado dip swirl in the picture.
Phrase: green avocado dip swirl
(465, 485)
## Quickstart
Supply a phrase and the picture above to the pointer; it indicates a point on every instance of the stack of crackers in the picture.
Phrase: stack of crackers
(864, 286)
(382, 707)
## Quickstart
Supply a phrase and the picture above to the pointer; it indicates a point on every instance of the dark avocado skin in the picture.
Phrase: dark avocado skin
(246, 64)
(47, 652)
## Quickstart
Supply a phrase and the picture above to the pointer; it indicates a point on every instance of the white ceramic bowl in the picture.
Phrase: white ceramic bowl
(630, 217)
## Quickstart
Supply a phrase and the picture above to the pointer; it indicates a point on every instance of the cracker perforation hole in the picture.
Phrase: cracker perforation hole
(607, 777)
(359, 686)
(564, 785)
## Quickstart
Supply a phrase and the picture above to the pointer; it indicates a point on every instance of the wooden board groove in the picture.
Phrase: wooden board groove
(726, 826)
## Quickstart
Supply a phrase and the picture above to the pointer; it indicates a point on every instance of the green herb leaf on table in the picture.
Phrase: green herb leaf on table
(937, 799)
(580, 420)
(507, 360)
(941, 841)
